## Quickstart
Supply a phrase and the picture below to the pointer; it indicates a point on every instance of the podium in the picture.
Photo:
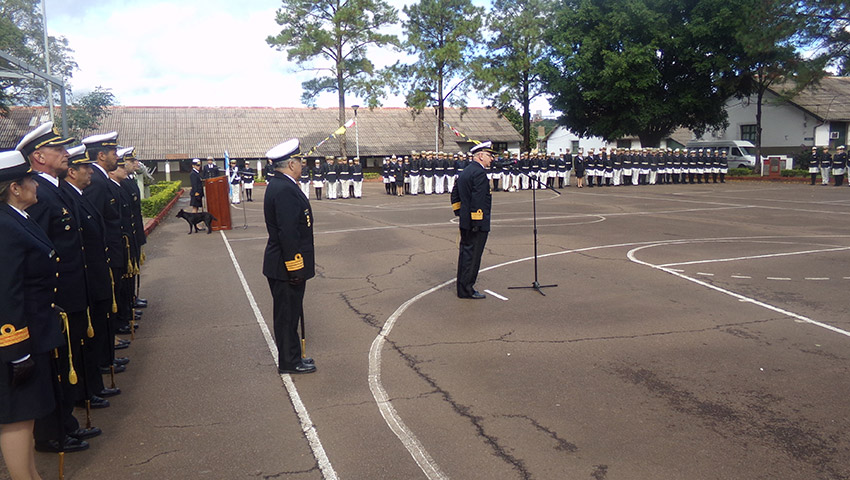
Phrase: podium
(216, 191)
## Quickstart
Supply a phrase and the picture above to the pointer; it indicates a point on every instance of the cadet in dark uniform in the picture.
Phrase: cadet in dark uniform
(98, 283)
(813, 164)
(196, 195)
(318, 177)
(211, 169)
(839, 166)
(54, 213)
(289, 259)
(30, 328)
(475, 202)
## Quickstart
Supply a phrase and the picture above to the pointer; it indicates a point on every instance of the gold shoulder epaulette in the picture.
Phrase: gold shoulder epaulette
(296, 264)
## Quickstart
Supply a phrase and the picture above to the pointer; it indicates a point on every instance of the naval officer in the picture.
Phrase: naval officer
(475, 202)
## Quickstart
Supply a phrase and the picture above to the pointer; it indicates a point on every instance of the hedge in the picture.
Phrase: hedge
(371, 175)
(797, 172)
(161, 194)
(740, 172)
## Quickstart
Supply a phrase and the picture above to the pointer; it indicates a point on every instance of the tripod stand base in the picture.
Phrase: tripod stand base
(536, 286)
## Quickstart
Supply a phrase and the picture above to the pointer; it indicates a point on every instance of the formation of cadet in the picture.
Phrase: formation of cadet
(336, 178)
(436, 172)
(825, 164)
(88, 205)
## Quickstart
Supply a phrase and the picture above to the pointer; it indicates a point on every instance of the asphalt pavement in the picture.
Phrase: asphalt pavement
(695, 332)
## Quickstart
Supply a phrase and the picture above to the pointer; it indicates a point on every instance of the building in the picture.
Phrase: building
(178, 134)
(818, 115)
(561, 138)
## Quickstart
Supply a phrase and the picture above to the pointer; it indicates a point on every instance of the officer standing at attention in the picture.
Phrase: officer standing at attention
(475, 202)
(54, 213)
(289, 259)
(30, 325)
(196, 195)
(211, 169)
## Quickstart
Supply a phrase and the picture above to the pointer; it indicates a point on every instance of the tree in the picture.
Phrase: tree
(639, 67)
(86, 113)
(509, 72)
(828, 32)
(443, 35)
(22, 35)
(768, 53)
(338, 32)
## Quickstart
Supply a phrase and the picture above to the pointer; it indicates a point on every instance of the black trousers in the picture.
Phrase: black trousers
(61, 421)
(469, 260)
(102, 346)
(288, 308)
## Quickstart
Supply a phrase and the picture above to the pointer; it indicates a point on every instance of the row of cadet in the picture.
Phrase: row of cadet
(823, 164)
(436, 172)
(71, 247)
(336, 178)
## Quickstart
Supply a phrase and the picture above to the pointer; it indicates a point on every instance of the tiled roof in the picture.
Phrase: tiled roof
(161, 132)
(829, 99)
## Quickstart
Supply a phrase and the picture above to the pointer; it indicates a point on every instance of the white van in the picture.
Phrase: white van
(739, 153)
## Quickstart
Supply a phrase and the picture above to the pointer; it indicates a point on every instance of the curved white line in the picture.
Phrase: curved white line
(303, 416)
(391, 416)
(743, 298)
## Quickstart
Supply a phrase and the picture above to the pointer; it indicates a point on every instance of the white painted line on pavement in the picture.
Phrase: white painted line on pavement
(795, 316)
(752, 257)
(496, 295)
(817, 278)
(783, 279)
(303, 416)
(705, 274)
(741, 276)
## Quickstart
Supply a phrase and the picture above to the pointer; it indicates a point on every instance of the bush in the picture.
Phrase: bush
(797, 172)
(161, 194)
(740, 172)
(371, 175)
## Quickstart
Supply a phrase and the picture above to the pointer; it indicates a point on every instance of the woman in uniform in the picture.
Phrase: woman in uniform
(30, 327)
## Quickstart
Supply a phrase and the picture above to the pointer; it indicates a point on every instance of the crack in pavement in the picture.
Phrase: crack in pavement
(800, 440)
(267, 476)
(367, 318)
(503, 338)
(563, 444)
(600, 472)
(149, 460)
(465, 411)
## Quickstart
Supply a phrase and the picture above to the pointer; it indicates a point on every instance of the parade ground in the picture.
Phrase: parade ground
(695, 332)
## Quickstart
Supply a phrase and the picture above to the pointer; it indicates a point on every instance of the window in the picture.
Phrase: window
(574, 148)
(500, 146)
(748, 133)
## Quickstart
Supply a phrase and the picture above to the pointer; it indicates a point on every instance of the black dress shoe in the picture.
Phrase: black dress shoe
(84, 433)
(119, 346)
(125, 330)
(123, 342)
(137, 317)
(141, 303)
(121, 360)
(70, 444)
(308, 361)
(109, 392)
(98, 402)
(299, 368)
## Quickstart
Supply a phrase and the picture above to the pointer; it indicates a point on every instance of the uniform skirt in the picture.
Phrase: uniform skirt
(814, 169)
(34, 399)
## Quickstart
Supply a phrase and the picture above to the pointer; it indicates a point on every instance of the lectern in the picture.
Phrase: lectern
(218, 202)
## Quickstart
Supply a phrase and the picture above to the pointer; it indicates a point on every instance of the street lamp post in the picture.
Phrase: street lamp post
(356, 130)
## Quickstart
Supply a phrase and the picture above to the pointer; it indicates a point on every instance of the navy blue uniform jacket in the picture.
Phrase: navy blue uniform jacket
(475, 198)
(289, 221)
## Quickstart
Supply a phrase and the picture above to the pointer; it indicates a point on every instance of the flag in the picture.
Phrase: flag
(349, 123)
(340, 130)
(457, 134)
(227, 172)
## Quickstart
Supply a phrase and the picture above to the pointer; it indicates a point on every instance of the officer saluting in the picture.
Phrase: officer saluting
(289, 259)
(475, 202)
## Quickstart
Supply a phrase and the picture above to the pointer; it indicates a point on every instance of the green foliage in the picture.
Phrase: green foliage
(515, 117)
(22, 35)
(741, 172)
(509, 72)
(796, 172)
(371, 175)
(640, 67)
(85, 113)
(338, 33)
(161, 194)
(442, 34)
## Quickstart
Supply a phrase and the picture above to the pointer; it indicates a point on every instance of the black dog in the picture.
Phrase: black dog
(195, 218)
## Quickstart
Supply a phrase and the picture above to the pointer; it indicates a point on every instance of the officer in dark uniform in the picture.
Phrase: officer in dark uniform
(98, 283)
(126, 298)
(318, 174)
(474, 221)
(289, 259)
(248, 175)
(30, 331)
(196, 195)
(211, 170)
(131, 186)
(839, 166)
(54, 213)
(104, 196)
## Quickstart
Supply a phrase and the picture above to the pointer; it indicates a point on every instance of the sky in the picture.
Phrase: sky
(192, 53)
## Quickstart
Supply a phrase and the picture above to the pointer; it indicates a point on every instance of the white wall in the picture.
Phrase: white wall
(561, 139)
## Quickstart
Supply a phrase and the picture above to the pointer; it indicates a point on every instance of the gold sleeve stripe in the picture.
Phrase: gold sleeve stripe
(479, 215)
(10, 336)
(296, 264)
(456, 206)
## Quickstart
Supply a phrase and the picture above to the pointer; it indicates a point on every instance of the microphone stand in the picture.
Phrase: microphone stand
(536, 284)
